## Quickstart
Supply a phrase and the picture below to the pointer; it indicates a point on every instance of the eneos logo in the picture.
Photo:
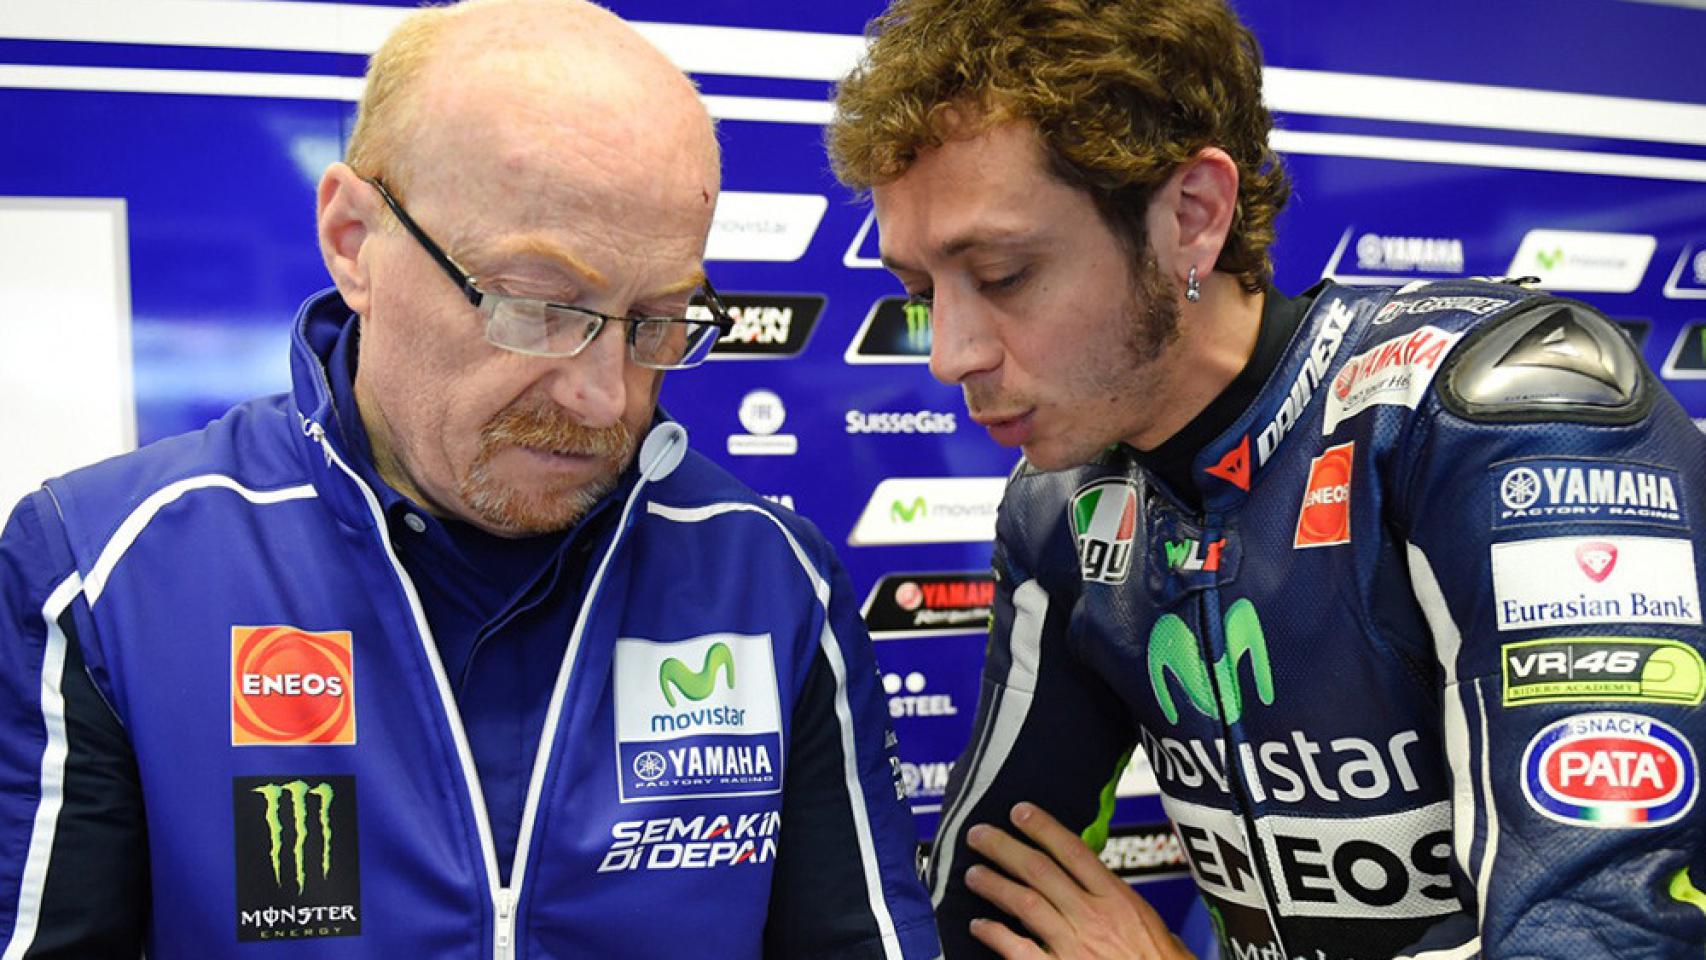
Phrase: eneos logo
(291, 686)
(1610, 770)
(1324, 518)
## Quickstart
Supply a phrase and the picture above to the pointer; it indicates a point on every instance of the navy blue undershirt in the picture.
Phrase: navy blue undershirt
(501, 612)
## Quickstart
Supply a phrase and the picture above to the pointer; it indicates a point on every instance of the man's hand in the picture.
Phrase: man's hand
(1064, 895)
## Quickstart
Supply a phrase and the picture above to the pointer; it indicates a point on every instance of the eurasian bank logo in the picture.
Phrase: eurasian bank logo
(298, 867)
(897, 330)
(696, 685)
(1174, 651)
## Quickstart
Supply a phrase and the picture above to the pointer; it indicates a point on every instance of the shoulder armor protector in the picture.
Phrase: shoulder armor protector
(1550, 360)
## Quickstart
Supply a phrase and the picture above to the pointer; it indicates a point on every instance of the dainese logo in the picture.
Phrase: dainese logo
(291, 686)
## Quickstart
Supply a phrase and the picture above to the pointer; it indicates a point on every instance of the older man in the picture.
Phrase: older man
(455, 650)
(1398, 589)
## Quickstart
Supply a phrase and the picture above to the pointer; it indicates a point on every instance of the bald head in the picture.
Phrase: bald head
(557, 68)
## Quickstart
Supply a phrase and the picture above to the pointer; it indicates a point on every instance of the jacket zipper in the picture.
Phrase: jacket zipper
(505, 898)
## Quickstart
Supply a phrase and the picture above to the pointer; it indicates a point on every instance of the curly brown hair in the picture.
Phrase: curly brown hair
(1121, 92)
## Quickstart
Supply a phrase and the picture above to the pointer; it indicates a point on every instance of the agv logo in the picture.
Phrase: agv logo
(1104, 521)
(291, 686)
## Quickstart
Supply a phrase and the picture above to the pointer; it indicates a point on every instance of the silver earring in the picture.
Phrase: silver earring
(1193, 289)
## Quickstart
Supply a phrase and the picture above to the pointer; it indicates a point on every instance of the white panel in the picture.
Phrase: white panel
(65, 374)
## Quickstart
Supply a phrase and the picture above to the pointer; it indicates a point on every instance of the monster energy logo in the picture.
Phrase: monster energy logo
(290, 884)
(298, 791)
(697, 685)
(917, 324)
(1174, 649)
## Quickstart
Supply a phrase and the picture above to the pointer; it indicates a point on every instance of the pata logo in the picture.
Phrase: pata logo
(697, 685)
(1173, 649)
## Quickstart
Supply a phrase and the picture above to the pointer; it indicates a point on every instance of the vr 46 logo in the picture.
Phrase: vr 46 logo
(1586, 669)
(1174, 650)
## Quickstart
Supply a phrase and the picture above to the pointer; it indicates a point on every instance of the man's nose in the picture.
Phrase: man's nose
(593, 386)
(962, 341)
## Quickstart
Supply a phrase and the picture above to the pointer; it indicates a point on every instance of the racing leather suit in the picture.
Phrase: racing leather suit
(217, 685)
(1422, 677)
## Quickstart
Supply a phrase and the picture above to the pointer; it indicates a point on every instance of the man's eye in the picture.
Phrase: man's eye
(1003, 284)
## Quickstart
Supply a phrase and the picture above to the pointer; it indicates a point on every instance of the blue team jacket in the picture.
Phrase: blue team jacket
(225, 722)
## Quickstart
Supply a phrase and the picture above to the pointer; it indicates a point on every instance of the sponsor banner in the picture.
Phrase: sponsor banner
(1379, 258)
(1235, 466)
(1573, 491)
(704, 841)
(1579, 260)
(697, 718)
(1295, 769)
(1104, 522)
(1687, 279)
(908, 697)
(896, 330)
(1611, 771)
(929, 604)
(1324, 518)
(914, 421)
(291, 686)
(772, 227)
(1388, 866)
(930, 510)
(766, 325)
(1687, 357)
(1397, 372)
(1560, 581)
(1480, 306)
(923, 785)
(1600, 669)
(762, 413)
(1143, 852)
(298, 857)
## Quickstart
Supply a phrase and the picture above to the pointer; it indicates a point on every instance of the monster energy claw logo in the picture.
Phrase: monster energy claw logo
(698, 685)
(298, 791)
(918, 324)
(1173, 649)
(292, 883)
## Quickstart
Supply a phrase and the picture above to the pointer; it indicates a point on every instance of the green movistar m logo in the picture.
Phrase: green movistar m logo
(903, 513)
(298, 791)
(1552, 259)
(697, 685)
(1173, 649)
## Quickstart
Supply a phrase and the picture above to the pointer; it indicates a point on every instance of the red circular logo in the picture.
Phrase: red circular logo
(291, 686)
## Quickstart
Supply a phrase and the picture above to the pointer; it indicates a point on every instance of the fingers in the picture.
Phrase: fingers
(1006, 943)
(1020, 902)
(1067, 848)
(1029, 866)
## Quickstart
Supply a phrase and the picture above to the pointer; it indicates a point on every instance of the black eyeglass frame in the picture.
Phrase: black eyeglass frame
(486, 302)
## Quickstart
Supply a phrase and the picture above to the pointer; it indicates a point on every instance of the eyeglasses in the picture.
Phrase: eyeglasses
(541, 328)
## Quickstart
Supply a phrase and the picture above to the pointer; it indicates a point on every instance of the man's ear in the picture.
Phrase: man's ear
(1191, 214)
(346, 216)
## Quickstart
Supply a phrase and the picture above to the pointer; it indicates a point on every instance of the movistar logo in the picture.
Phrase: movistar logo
(903, 513)
(697, 685)
(917, 323)
(1173, 649)
(298, 792)
(1550, 259)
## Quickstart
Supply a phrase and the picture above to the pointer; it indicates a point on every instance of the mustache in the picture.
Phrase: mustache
(543, 427)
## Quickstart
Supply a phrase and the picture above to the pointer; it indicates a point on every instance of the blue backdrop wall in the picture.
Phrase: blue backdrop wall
(1425, 140)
